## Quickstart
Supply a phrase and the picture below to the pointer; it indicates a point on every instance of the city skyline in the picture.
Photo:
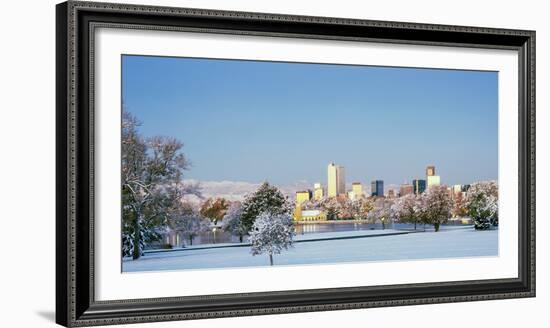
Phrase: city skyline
(374, 121)
(336, 186)
(320, 189)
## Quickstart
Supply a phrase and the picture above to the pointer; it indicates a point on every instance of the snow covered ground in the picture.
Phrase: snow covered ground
(298, 238)
(422, 245)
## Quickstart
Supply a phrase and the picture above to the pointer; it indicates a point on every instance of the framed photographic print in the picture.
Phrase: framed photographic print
(215, 163)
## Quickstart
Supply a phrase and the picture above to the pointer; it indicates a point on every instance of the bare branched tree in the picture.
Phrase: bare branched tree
(152, 173)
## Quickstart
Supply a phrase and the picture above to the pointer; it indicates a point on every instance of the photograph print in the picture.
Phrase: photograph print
(244, 163)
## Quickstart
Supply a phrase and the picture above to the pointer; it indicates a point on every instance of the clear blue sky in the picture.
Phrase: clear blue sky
(284, 122)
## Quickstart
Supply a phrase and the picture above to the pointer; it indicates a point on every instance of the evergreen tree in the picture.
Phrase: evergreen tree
(267, 199)
(482, 204)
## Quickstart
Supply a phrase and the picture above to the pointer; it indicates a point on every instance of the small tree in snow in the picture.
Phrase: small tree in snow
(459, 209)
(332, 213)
(406, 208)
(185, 218)
(193, 225)
(270, 234)
(482, 204)
(232, 222)
(357, 209)
(346, 208)
(332, 207)
(366, 206)
(382, 211)
(436, 206)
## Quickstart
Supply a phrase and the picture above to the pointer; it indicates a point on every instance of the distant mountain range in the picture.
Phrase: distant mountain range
(237, 190)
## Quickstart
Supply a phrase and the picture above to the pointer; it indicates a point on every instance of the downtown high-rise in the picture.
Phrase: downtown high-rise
(336, 182)
(377, 188)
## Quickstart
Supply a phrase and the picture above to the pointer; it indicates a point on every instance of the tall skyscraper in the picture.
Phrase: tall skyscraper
(431, 178)
(377, 188)
(336, 180)
(332, 181)
(419, 186)
(341, 180)
(318, 191)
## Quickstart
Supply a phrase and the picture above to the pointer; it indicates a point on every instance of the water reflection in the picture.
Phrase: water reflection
(357, 226)
(219, 236)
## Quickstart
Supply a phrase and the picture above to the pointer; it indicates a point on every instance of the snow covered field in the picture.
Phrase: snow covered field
(422, 245)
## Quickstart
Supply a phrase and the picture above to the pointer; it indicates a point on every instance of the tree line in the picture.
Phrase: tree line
(434, 206)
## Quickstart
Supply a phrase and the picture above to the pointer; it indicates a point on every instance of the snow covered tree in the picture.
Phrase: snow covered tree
(347, 210)
(459, 208)
(267, 199)
(313, 204)
(232, 221)
(382, 211)
(482, 204)
(366, 206)
(193, 225)
(406, 209)
(332, 207)
(436, 206)
(332, 213)
(271, 234)
(185, 218)
(152, 168)
(361, 207)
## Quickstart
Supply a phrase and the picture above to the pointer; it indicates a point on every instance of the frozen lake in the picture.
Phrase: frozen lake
(451, 243)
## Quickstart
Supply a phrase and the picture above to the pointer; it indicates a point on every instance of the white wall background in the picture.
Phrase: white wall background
(27, 162)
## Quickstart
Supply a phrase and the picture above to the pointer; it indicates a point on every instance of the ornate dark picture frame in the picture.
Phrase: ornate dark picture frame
(75, 301)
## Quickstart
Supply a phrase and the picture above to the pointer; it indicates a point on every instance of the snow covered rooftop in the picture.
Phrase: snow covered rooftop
(311, 213)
